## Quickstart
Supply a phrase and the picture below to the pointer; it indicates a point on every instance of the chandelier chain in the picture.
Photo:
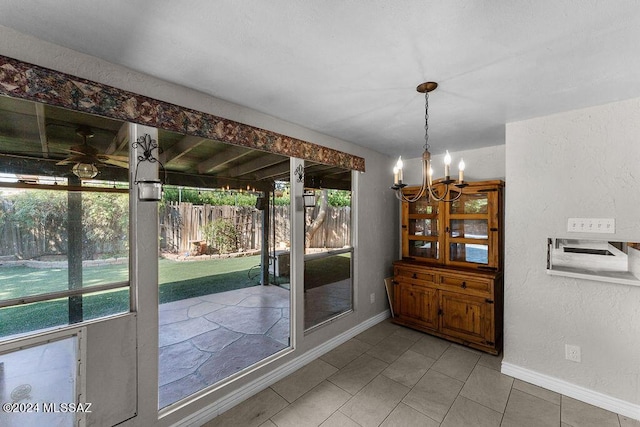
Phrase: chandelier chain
(426, 120)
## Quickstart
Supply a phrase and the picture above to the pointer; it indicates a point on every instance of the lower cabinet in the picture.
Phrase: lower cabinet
(418, 304)
(461, 306)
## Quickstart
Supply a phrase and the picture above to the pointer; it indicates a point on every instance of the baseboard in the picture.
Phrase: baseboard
(221, 405)
(583, 394)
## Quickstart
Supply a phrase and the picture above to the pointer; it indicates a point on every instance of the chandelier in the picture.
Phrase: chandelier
(443, 194)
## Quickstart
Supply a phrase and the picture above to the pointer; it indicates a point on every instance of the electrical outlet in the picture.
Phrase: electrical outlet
(572, 353)
(372, 297)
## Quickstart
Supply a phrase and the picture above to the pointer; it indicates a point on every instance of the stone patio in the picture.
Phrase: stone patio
(206, 339)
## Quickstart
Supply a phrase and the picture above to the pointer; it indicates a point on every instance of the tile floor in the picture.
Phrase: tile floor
(394, 376)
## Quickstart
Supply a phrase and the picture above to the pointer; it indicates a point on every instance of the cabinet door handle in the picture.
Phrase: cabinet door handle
(415, 276)
(464, 285)
(395, 282)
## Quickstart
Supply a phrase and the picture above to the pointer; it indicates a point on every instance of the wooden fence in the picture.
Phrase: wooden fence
(183, 224)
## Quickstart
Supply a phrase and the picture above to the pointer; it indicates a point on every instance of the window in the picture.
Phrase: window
(328, 259)
(64, 253)
(224, 280)
(64, 241)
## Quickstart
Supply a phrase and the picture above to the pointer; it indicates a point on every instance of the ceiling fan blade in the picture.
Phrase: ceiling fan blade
(115, 162)
(66, 162)
(114, 157)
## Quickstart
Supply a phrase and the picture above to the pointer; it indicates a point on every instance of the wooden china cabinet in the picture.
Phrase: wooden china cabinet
(449, 282)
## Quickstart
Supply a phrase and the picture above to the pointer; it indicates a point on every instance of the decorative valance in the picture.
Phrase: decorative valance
(27, 81)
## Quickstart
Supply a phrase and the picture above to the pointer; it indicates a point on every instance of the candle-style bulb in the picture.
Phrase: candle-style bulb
(447, 158)
(399, 165)
(447, 163)
(461, 166)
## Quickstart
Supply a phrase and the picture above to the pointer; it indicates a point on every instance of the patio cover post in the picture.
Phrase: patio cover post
(74, 249)
(264, 264)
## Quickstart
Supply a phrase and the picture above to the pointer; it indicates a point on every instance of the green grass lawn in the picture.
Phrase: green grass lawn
(177, 280)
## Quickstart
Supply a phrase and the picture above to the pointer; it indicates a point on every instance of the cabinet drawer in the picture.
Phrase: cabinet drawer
(402, 273)
(464, 283)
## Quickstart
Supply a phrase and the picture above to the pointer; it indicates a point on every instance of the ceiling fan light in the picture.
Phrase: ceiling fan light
(85, 170)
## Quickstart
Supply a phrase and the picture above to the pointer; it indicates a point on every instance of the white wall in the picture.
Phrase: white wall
(375, 223)
(583, 163)
(481, 164)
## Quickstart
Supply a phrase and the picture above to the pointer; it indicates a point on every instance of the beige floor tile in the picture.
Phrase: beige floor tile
(408, 368)
(526, 410)
(534, 390)
(466, 413)
(304, 379)
(313, 408)
(580, 414)
(405, 416)
(431, 346)
(338, 419)
(371, 405)
(345, 353)
(456, 363)
(434, 394)
(628, 422)
(390, 348)
(268, 423)
(358, 373)
(378, 332)
(491, 361)
(412, 334)
(252, 412)
(488, 387)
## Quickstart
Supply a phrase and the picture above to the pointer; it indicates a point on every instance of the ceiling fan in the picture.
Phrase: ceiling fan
(84, 157)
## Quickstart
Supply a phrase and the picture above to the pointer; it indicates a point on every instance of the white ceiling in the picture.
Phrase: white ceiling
(349, 68)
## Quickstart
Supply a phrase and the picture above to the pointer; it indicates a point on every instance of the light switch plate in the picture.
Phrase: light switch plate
(591, 225)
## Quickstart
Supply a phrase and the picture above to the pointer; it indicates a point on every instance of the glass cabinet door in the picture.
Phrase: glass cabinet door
(421, 227)
(468, 230)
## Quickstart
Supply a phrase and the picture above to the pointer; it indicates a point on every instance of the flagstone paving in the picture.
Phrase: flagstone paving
(208, 338)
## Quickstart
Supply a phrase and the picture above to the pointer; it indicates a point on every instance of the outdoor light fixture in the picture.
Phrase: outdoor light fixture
(309, 197)
(149, 190)
(427, 172)
(84, 170)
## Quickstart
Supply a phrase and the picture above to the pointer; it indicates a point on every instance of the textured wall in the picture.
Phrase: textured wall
(583, 163)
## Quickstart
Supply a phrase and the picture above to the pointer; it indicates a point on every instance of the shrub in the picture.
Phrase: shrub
(222, 235)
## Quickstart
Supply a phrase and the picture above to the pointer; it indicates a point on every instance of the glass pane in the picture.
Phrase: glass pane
(423, 227)
(23, 318)
(36, 376)
(469, 228)
(424, 249)
(423, 206)
(54, 240)
(219, 249)
(328, 260)
(327, 287)
(470, 203)
(465, 252)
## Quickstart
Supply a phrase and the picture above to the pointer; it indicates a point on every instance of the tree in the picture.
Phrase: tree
(319, 219)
